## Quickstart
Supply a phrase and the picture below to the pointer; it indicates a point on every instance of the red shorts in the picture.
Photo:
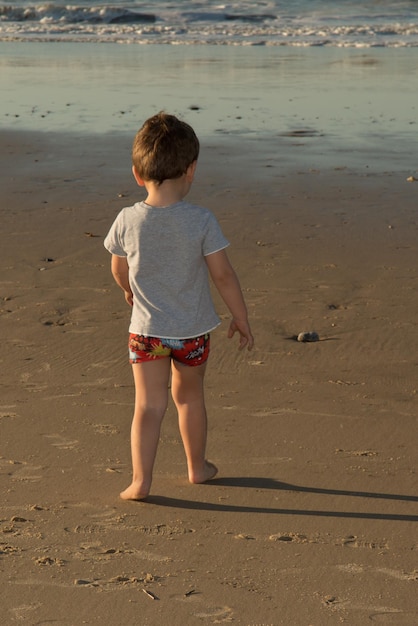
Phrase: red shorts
(194, 351)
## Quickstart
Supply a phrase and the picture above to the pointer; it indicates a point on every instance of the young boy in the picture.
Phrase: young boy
(162, 249)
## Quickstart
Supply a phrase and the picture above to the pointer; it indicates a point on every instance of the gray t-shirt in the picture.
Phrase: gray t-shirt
(165, 250)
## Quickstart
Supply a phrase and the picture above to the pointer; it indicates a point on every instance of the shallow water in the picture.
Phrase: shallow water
(327, 102)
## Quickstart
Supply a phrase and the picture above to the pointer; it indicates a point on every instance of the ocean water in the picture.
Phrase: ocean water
(305, 23)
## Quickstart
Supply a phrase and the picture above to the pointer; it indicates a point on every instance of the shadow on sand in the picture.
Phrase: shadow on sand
(269, 483)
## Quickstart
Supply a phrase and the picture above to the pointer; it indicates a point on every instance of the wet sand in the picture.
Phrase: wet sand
(312, 519)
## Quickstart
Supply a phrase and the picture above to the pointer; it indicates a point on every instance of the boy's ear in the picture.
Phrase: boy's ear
(137, 177)
(190, 172)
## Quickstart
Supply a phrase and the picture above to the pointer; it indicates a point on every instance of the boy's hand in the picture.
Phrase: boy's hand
(129, 298)
(243, 328)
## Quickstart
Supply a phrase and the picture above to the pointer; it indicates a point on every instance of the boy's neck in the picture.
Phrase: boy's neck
(169, 192)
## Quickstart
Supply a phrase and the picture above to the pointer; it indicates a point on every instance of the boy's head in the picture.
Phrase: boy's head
(164, 148)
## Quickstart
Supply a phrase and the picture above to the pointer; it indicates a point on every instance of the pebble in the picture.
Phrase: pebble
(308, 336)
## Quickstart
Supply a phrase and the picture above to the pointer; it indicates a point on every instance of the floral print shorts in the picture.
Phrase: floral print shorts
(194, 351)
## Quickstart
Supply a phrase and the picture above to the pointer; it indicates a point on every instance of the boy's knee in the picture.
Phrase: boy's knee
(152, 412)
(187, 395)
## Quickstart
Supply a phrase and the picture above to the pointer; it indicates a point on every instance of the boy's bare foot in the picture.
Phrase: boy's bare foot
(134, 492)
(208, 472)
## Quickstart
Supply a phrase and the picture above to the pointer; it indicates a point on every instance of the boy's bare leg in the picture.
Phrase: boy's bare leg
(188, 395)
(151, 395)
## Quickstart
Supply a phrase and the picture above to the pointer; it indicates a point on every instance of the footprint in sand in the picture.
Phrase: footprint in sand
(97, 521)
(29, 386)
(353, 568)
(221, 613)
(23, 472)
(397, 574)
(292, 537)
(61, 442)
(352, 541)
(4, 414)
(21, 613)
(164, 530)
(106, 429)
(55, 318)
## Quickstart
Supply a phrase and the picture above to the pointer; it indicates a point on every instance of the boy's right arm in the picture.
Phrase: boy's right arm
(227, 283)
(120, 272)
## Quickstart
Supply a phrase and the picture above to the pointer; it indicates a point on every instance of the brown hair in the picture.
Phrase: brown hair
(164, 148)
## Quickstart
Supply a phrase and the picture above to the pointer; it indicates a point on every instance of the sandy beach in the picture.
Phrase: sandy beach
(312, 520)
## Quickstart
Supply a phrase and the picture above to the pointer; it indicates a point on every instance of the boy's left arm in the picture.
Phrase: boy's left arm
(120, 272)
(227, 283)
